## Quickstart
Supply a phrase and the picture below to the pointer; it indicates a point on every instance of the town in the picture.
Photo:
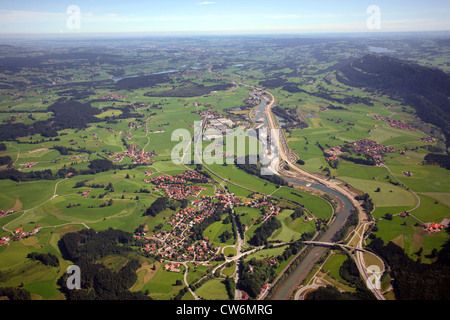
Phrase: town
(394, 123)
(139, 156)
(371, 148)
(180, 244)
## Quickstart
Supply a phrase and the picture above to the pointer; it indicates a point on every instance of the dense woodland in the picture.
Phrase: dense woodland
(85, 249)
(442, 160)
(133, 83)
(46, 258)
(367, 202)
(14, 293)
(414, 280)
(255, 273)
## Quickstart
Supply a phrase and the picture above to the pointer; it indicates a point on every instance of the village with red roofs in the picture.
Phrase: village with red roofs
(177, 245)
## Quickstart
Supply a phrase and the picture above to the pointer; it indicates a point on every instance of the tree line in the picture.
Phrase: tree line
(265, 231)
(254, 170)
(46, 258)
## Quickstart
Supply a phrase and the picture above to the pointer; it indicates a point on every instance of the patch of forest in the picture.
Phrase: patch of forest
(134, 83)
(198, 229)
(46, 258)
(442, 160)
(14, 293)
(85, 249)
(68, 114)
(414, 280)
(265, 231)
(67, 60)
(255, 273)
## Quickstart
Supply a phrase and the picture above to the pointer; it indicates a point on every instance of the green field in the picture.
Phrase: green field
(314, 204)
(212, 290)
(291, 229)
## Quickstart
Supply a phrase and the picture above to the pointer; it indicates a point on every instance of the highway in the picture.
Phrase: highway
(294, 173)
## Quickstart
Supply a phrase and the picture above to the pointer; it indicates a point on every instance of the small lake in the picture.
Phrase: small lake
(144, 75)
(380, 50)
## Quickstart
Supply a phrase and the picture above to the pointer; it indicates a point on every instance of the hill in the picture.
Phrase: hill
(427, 90)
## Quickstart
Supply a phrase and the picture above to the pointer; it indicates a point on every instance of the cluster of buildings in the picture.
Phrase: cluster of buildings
(19, 234)
(177, 244)
(371, 148)
(428, 139)
(180, 191)
(5, 212)
(135, 125)
(113, 96)
(176, 186)
(85, 194)
(77, 157)
(173, 267)
(4, 240)
(394, 123)
(219, 124)
(30, 165)
(433, 227)
(140, 156)
(407, 173)
(332, 153)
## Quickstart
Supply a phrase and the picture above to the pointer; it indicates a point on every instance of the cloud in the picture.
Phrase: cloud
(21, 16)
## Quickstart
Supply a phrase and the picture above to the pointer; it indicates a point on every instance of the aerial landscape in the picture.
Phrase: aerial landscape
(233, 166)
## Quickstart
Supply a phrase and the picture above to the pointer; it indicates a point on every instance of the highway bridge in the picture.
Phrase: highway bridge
(331, 244)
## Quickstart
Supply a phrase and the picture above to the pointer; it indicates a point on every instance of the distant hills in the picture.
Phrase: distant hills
(425, 89)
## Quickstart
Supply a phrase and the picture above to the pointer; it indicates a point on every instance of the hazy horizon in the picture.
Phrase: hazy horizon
(181, 17)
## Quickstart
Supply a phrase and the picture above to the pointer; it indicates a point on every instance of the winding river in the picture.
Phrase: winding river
(286, 288)
(288, 285)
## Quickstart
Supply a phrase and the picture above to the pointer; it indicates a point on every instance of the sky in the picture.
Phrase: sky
(221, 16)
